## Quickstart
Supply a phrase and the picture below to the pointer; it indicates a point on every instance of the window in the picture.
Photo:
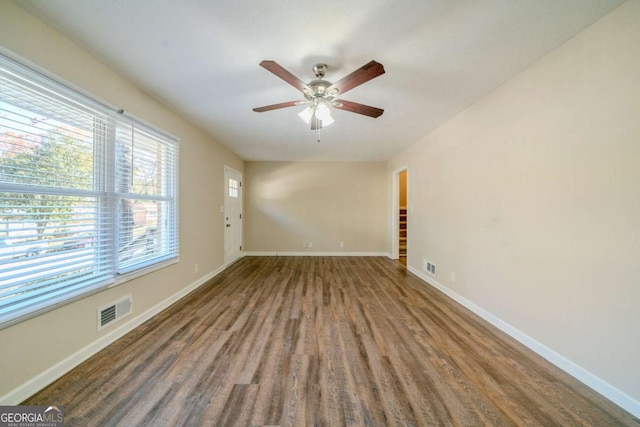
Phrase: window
(234, 185)
(86, 194)
(145, 195)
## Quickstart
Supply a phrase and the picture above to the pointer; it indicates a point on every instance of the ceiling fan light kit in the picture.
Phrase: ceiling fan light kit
(321, 94)
(318, 109)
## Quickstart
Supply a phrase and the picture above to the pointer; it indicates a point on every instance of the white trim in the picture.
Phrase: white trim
(242, 255)
(317, 254)
(615, 395)
(48, 376)
(395, 210)
(229, 170)
(134, 274)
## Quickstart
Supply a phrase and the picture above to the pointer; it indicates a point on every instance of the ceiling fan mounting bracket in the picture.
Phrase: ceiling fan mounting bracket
(320, 70)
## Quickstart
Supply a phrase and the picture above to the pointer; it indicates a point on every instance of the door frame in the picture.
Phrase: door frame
(395, 212)
(228, 169)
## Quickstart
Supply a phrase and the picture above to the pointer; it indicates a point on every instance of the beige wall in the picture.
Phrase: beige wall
(532, 197)
(35, 345)
(324, 203)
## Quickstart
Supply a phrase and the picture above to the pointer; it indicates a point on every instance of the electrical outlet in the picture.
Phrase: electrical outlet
(304, 244)
(196, 267)
(453, 277)
(310, 244)
(342, 244)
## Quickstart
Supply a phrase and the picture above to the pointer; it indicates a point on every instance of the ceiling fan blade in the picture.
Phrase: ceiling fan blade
(285, 75)
(354, 107)
(362, 75)
(277, 106)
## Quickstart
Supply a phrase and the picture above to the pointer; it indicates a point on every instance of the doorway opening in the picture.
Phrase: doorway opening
(400, 215)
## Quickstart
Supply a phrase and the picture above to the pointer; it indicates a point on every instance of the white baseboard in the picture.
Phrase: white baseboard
(45, 378)
(618, 397)
(316, 254)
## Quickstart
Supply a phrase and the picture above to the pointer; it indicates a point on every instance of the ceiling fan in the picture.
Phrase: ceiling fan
(320, 94)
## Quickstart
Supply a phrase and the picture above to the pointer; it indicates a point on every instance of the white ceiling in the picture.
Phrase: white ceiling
(201, 58)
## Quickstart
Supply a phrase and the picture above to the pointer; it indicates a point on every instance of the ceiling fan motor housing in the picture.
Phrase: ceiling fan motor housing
(318, 88)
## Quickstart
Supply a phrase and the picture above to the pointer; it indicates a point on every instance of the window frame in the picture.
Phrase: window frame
(234, 188)
(105, 177)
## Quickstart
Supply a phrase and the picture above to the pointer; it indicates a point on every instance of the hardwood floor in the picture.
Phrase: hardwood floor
(321, 341)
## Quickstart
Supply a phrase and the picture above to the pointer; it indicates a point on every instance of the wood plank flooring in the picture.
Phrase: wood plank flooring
(321, 341)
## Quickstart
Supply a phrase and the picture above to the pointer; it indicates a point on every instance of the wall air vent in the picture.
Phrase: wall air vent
(114, 311)
(429, 267)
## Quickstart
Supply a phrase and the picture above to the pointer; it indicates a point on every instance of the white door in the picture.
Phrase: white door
(232, 215)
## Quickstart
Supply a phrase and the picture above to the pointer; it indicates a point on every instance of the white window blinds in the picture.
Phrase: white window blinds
(85, 194)
(145, 193)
